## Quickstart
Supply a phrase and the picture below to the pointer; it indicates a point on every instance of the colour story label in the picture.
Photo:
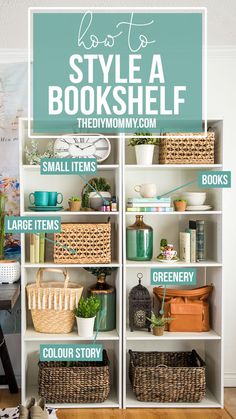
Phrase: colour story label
(71, 352)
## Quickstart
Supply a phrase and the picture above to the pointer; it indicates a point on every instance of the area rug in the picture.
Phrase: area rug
(13, 413)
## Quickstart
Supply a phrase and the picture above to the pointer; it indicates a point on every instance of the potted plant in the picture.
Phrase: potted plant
(180, 205)
(96, 193)
(85, 315)
(144, 147)
(158, 324)
(74, 203)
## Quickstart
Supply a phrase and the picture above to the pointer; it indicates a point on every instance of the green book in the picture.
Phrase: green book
(41, 247)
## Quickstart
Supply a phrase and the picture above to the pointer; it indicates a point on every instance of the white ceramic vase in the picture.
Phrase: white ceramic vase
(96, 200)
(85, 326)
(144, 154)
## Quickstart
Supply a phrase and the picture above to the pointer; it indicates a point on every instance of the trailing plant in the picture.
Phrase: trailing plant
(148, 139)
(74, 199)
(87, 307)
(99, 271)
(159, 321)
(94, 185)
(34, 156)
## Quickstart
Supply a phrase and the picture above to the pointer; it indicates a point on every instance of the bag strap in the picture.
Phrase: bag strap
(39, 275)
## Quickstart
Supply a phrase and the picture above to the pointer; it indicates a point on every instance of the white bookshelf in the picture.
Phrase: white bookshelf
(209, 344)
(31, 180)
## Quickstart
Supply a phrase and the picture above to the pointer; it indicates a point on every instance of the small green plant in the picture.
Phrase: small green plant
(180, 200)
(99, 271)
(87, 307)
(163, 244)
(74, 199)
(95, 184)
(159, 321)
(147, 139)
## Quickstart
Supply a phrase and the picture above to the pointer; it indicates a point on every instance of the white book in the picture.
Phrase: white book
(193, 244)
(184, 247)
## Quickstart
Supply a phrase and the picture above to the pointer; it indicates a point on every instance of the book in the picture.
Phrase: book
(184, 247)
(200, 240)
(149, 204)
(193, 235)
(150, 209)
(192, 224)
(36, 247)
(159, 200)
(32, 248)
(41, 247)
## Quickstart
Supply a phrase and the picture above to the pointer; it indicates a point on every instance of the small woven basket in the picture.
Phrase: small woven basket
(83, 243)
(52, 303)
(167, 377)
(195, 149)
(80, 382)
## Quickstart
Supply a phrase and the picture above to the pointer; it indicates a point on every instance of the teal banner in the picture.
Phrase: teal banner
(71, 352)
(62, 166)
(19, 225)
(117, 72)
(173, 276)
(214, 179)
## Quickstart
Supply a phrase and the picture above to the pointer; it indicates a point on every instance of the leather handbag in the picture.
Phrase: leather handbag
(189, 308)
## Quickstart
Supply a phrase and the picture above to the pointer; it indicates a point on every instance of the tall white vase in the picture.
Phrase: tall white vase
(85, 326)
(144, 154)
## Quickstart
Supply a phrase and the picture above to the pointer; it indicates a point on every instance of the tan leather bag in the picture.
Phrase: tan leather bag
(189, 308)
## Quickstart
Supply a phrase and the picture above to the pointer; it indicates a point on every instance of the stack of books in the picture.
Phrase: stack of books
(149, 205)
(192, 242)
(37, 248)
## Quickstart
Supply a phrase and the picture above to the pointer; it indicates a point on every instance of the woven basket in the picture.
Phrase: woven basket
(52, 303)
(167, 377)
(187, 150)
(81, 382)
(83, 243)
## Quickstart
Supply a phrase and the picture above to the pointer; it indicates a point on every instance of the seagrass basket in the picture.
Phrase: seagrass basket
(52, 303)
(193, 148)
(75, 382)
(83, 243)
(167, 377)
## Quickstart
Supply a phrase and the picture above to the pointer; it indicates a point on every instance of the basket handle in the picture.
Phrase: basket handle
(39, 275)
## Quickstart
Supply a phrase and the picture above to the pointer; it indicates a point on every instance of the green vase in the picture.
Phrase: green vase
(106, 317)
(139, 240)
(2, 216)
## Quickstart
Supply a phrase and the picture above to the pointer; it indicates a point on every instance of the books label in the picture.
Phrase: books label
(171, 276)
(214, 179)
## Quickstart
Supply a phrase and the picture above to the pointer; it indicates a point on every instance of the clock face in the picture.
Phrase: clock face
(98, 147)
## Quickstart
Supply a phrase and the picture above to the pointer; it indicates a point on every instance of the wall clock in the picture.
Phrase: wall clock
(98, 147)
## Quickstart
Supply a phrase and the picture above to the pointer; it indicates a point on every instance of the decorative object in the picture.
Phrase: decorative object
(2, 218)
(96, 193)
(85, 314)
(45, 198)
(168, 253)
(158, 324)
(139, 240)
(201, 240)
(167, 377)
(45, 209)
(189, 148)
(52, 303)
(98, 147)
(188, 307)
(198, 208)
(74, 203)
(144, 147)
(180, 205)
(194, 198)
(146, 190)
(34, 155)
(75, 382)
(106, 318)
(113, 204)
(139, 306)
(9, 271)
(83, 243)
(185, 246)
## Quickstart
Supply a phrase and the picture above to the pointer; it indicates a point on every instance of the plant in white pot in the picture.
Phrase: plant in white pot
(144, 147)
(85, 315)
(96, 193)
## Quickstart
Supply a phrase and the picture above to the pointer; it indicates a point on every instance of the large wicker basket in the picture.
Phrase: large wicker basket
(193, 148)
(167, 377)
(81, 382)
(83, 243)
(52, 303)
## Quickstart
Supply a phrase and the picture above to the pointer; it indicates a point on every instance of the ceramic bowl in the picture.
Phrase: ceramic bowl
(194, 198)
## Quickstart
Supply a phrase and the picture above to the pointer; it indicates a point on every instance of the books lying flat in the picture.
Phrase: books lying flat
(150, 209)
(150, 200)
(149, 204)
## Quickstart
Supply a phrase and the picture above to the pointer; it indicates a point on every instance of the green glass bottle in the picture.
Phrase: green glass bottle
(107, 296)
(139, 240)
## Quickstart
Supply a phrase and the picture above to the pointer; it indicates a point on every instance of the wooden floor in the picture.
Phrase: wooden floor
(11, 400)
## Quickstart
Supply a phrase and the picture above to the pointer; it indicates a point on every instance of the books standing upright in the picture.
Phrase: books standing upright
(184, 247)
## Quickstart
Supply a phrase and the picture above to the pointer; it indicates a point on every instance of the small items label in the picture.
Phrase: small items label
(214, 179)
(19, 225)
(63, 166)
(178, 276)
(71, 352)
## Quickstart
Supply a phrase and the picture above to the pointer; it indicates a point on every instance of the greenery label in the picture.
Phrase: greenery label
(68, 166)
(71, 352)
(173, 276)
(17, 225)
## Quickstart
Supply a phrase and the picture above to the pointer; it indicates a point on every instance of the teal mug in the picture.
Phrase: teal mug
(39, 198)
(54, 198)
